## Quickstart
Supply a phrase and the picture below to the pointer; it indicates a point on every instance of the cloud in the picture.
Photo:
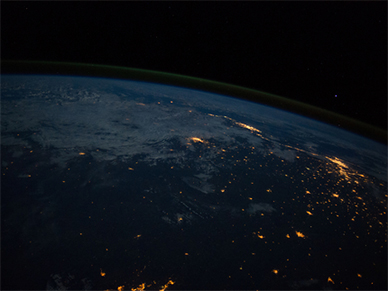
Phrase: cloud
(260, 207)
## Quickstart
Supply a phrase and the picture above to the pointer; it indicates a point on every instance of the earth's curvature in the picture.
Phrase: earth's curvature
(110, 183)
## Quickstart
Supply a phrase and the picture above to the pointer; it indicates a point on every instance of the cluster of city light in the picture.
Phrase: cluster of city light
(251, 128)
(196, 139)
(142, 286)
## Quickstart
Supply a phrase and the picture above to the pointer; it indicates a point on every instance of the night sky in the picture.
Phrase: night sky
(306, 51)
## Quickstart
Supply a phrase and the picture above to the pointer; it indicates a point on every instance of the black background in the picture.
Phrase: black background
(306, 51)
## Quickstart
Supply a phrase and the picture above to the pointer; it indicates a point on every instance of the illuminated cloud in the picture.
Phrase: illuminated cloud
(199, 184)
(260, 207)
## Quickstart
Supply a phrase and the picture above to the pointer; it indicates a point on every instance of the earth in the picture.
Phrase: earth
(120, 184)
